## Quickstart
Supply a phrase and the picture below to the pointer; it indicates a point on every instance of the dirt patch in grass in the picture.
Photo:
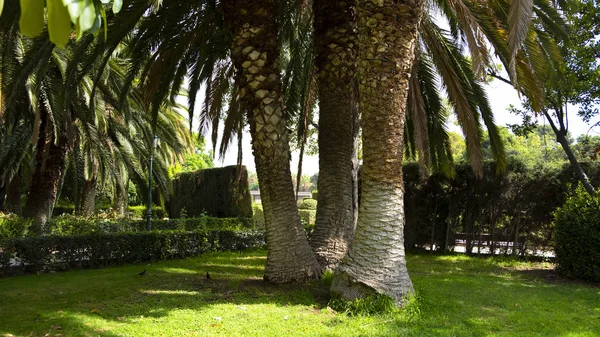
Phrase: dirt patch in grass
(548, 274)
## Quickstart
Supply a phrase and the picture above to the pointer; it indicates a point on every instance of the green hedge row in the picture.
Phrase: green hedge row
(309, 216)
(308, 204)
(134, 211)
(258, 216)
(60, 253)
(12, 226)
(140, 212)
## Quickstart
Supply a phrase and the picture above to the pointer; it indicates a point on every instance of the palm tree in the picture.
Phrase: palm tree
(255, 54)
(387, 36)
(222, 41)
(109, 138)
(375, 261)
(336, 49)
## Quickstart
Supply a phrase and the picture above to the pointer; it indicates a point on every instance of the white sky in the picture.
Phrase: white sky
(501, 96)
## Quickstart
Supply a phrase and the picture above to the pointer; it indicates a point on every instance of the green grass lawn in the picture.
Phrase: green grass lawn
(457, 296)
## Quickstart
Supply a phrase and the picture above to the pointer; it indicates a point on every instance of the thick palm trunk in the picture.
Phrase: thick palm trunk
(121, 200)
(49, 166)
(255, 54)
(87, 201)
(336, 48)
(12, 204)
(376, 261)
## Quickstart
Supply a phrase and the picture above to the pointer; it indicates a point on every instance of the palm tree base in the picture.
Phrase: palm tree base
(376, 262)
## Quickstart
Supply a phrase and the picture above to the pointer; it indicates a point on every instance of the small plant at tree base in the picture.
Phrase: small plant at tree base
(376, 304)
(183, 213)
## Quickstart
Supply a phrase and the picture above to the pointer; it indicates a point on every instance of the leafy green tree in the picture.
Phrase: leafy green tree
(198, 160)
(573, 79)
(62, 17)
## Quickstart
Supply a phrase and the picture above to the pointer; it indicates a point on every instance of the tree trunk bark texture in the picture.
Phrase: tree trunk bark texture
(583, 178)
(12, 204)
(336, 48)
(87, 203)
(376, 261)
(255, 54)
(49, 166)
(121, 200)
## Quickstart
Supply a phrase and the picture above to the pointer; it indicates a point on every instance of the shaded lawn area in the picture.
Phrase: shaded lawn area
(457, 296)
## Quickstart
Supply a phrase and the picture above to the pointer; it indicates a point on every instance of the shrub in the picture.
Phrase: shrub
(258, 216)
(308, 204)
(12, 226)
(219, 192)
(315, 194)
(308, 216)
(140, 212)
(577, 236)
(50, 253)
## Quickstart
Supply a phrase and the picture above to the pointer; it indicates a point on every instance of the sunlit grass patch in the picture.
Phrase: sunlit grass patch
(456, 296)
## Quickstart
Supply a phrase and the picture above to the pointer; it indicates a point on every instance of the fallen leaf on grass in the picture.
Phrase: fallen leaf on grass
(56, 327)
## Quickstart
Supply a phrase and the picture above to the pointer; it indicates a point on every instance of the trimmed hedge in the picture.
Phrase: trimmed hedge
(220, 192)
(140, 212)
(577, 236)
(60, 253)
(309, 216)
(12, 226)
(135, 211)
(258, 216)
(308, 204)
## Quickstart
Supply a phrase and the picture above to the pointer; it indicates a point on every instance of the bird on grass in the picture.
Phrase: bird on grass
(208, 276)
(142, 273)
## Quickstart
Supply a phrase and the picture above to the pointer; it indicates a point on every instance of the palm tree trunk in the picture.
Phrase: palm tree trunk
(3, 185)
(255, 54)
(376, 260)
(121, 199)
(87, 201)
(336, 48)
(49, 167)
(12, 204)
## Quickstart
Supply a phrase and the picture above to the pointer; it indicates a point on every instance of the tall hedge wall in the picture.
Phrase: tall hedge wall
(220, 192)
(517, 206)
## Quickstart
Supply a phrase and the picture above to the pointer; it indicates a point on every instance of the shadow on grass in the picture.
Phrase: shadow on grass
(94, 302)
(463, 298)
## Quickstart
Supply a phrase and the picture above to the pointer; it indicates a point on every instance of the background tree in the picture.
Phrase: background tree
(573, 80)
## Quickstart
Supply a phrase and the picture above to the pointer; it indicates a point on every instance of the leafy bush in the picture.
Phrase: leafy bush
(12, 226)
(258, 216)
(309, 216)
(308, 204)
(370, 305)
(50, 253)
(577, 236)
(140, 212)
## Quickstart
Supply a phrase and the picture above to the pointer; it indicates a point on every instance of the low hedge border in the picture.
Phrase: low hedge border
(61, 253)
(11, 226)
